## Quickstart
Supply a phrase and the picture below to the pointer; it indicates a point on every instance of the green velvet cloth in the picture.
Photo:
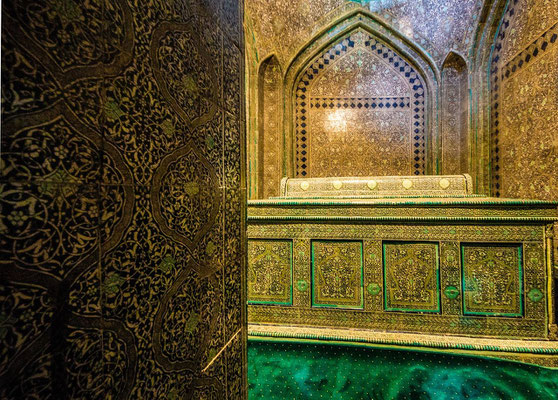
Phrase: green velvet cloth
(280, 370)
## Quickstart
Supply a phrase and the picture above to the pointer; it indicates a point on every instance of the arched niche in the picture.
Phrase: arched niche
(455, 115)
(270, 140)
(359, 102)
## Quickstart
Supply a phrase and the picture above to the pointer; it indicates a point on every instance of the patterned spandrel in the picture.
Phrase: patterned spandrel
(270, 271)
(282, 27)
(492, 279)
(411, 276)
(337, 274)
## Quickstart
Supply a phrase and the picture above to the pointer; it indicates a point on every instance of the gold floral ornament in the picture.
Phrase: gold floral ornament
(304, 185)
(407, 183)
(444, 183)
(372, 184)
(192, 188)
(337, 185)
(185, 211)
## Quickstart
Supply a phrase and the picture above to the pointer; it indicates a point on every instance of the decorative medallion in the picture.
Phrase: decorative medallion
(185, 195)
(302, 285)
(535, 295)
(185, 319)
(407, 183)
(184, 72)
(451, 292)
(372, 184)
(444, 183)
(374, 289)
(304, 185)
(337, 184)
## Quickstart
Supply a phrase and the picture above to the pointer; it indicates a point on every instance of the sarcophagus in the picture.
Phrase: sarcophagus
(406, 261)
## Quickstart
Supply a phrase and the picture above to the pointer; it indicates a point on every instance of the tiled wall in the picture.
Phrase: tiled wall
(122, 200)
(343, 138)
(270, 138)
(282, 27)
(523, 104)
(455, 116)
(524, 101)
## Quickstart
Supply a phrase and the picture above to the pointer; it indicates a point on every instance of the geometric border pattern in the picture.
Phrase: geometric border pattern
(360, 102)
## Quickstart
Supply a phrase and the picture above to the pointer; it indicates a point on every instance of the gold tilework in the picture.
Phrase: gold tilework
(282, 27)
(269, 139)
(122, 222)
(524, 100)
(360, 110)
(455, 115)
(309, 222)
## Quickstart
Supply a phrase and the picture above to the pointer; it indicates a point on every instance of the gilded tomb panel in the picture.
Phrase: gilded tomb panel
(492, 279)
(270, 271)
(411, 276)
(337, 274)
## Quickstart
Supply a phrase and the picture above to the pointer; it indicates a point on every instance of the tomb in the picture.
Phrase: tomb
(406, 261)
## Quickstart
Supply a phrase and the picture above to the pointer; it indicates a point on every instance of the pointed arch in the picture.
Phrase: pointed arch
(455, 115)
(392, 48)
(269, 140)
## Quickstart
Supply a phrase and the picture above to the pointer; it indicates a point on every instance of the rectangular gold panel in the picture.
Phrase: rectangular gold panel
(450, 278)
(270, 272)
(337, 274)
(411, 276)
(492, 279)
